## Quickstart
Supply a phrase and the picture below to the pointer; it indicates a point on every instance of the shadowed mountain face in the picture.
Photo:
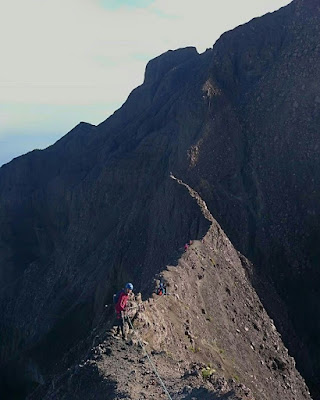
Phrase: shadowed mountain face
(240, 124)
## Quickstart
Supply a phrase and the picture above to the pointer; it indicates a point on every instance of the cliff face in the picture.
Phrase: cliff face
(264, 173)
(239, 123)
(209, 338)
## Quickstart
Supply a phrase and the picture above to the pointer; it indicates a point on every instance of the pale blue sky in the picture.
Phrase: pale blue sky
(66, 61)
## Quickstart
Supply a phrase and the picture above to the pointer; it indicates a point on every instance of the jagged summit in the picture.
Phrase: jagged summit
(157, 67)
(239, 125)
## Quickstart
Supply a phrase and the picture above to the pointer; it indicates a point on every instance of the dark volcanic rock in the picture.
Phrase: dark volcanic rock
(213, 356)
(159, 66)
(240, 124)
(264, 173)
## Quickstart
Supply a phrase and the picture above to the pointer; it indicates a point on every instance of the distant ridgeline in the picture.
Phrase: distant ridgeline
(240, 125)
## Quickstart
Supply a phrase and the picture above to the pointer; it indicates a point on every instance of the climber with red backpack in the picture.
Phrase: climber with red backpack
(120, 300)
(161, 290)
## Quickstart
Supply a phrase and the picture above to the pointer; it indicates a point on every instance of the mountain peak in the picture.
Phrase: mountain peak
(160, 65)
(239, 127)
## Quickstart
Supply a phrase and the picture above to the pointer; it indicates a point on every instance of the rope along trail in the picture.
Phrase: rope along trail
(151, 362)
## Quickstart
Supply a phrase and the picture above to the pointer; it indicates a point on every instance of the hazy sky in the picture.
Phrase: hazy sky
(66, 61)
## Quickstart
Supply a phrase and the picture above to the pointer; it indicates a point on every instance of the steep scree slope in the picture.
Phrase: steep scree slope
(239, 123)
(209, 338)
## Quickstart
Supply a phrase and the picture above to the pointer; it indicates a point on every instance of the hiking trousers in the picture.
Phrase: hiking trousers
(120, 323)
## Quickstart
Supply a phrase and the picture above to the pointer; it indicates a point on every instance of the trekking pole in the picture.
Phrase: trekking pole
(123, 320)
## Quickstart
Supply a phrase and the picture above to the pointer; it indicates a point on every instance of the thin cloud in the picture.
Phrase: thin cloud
(116, 4)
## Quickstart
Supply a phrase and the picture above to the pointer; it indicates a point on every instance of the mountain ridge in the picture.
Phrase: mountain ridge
(97, 208)
(196, 353)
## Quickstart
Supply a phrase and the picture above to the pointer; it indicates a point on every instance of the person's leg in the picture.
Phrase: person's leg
(118, 326)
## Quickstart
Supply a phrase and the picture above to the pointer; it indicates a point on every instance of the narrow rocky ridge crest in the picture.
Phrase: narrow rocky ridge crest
(209, 337)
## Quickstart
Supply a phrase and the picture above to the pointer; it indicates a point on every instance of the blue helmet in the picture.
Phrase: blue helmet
(129, 286)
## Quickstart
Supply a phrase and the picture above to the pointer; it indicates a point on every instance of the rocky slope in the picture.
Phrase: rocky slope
(208, 338)
(239, 123)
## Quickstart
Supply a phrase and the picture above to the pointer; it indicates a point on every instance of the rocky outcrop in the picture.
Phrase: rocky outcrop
(159, 66)
(263, 160)
(239, 124)
(209, 337)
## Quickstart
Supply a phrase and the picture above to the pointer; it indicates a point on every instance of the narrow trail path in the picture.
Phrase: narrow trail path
(202, 204)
